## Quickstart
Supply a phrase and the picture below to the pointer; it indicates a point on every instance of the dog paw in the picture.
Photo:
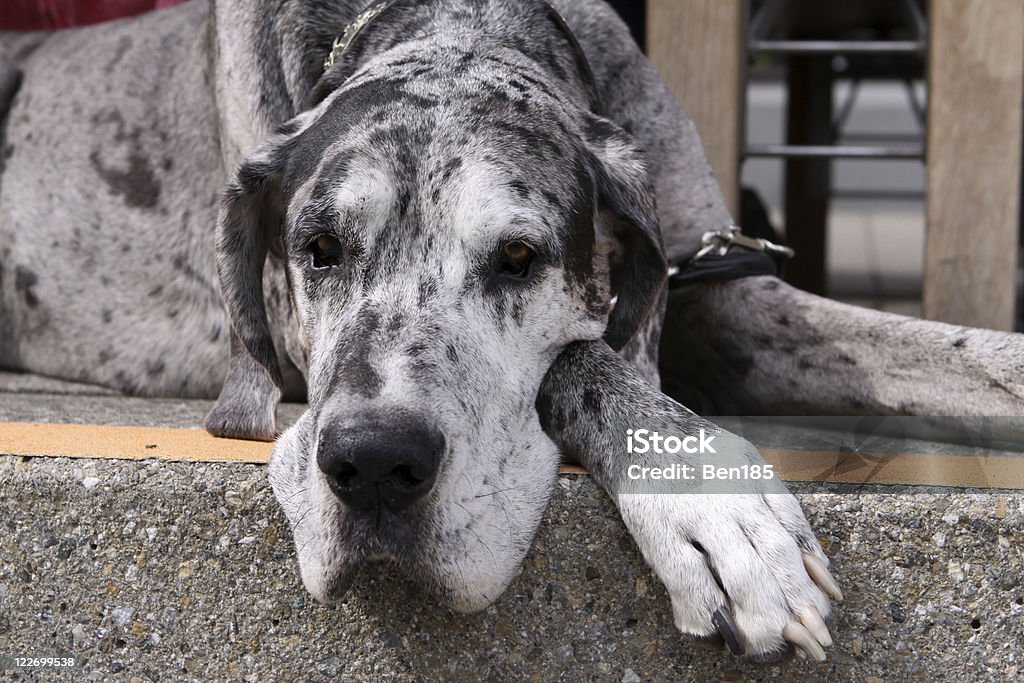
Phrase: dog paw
(236, 417)
(743, 570)
(247, 405)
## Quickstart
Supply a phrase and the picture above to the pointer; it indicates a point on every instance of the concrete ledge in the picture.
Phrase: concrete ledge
(156, 571)
(182, 571)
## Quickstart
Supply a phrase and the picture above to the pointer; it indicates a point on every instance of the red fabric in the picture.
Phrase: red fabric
(28, 15)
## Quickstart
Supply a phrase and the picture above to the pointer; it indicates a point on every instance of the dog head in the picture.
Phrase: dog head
(448, 223)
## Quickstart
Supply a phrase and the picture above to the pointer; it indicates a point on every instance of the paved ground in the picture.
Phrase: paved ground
(181, 571)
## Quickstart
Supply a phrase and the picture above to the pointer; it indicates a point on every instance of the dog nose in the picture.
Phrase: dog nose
(375, 461)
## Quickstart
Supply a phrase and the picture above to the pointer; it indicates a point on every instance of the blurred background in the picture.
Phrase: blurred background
(879, 138)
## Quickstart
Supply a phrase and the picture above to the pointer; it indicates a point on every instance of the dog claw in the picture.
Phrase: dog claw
(723, 621)
(802, 638)
(821, 576)
(813, 622)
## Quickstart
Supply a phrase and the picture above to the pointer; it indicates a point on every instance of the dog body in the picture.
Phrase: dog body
(125, 150)
(426, 240)
(95, 178)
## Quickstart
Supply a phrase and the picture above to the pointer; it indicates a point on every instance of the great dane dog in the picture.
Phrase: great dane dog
(453, 240)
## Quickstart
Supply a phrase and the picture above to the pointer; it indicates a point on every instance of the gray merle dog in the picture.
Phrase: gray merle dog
(454, 241)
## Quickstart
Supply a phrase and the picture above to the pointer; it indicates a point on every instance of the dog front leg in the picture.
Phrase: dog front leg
(740, 562)
(757, 346)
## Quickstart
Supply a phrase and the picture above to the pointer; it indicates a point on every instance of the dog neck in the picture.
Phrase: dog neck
(387, 23)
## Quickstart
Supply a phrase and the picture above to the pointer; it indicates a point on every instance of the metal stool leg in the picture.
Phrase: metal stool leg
(808, 181)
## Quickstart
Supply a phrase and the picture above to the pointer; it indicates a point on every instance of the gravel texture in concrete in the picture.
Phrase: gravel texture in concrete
(157, 571)
(168, 571)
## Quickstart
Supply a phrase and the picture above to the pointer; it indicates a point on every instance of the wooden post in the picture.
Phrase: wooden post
(697, 46)
(976, 92)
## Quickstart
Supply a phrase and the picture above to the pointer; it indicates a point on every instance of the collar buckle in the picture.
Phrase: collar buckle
(722, 240)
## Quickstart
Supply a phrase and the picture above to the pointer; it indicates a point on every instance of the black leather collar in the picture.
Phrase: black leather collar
(728, 254)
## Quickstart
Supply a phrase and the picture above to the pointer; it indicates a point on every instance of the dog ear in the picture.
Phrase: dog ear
(251, 216)
(627, 205)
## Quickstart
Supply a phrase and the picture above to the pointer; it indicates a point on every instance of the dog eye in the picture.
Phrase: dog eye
(326, 251)
(515, 259)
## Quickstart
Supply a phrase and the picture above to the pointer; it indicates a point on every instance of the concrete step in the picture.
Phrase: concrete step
(155, 571)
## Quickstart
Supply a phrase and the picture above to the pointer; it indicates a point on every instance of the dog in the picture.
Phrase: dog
(447, 225)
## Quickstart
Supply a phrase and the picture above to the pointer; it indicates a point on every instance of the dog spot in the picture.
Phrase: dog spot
(450, 170)
(422, 365)
(499, 307)
(107, 316)
(123, 45)
(782, 320)
(578, 245)
(453, 355)
(24, 283)
(416, 349)
(355, 370)
(551, 198)
(155, 368)
(125, 383)
(105, 356)
(136, 184)
(592, 402)
(521, 189)
(427, 291)
(181, 264)
(960, 343)
(156, 291)
(519, 310)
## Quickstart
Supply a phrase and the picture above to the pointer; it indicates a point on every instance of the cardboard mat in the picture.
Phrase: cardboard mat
(135, 443)
(196, 445)
(126, 443)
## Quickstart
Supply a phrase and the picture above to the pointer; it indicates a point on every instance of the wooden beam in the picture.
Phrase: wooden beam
(976, 77)
(697, 46)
